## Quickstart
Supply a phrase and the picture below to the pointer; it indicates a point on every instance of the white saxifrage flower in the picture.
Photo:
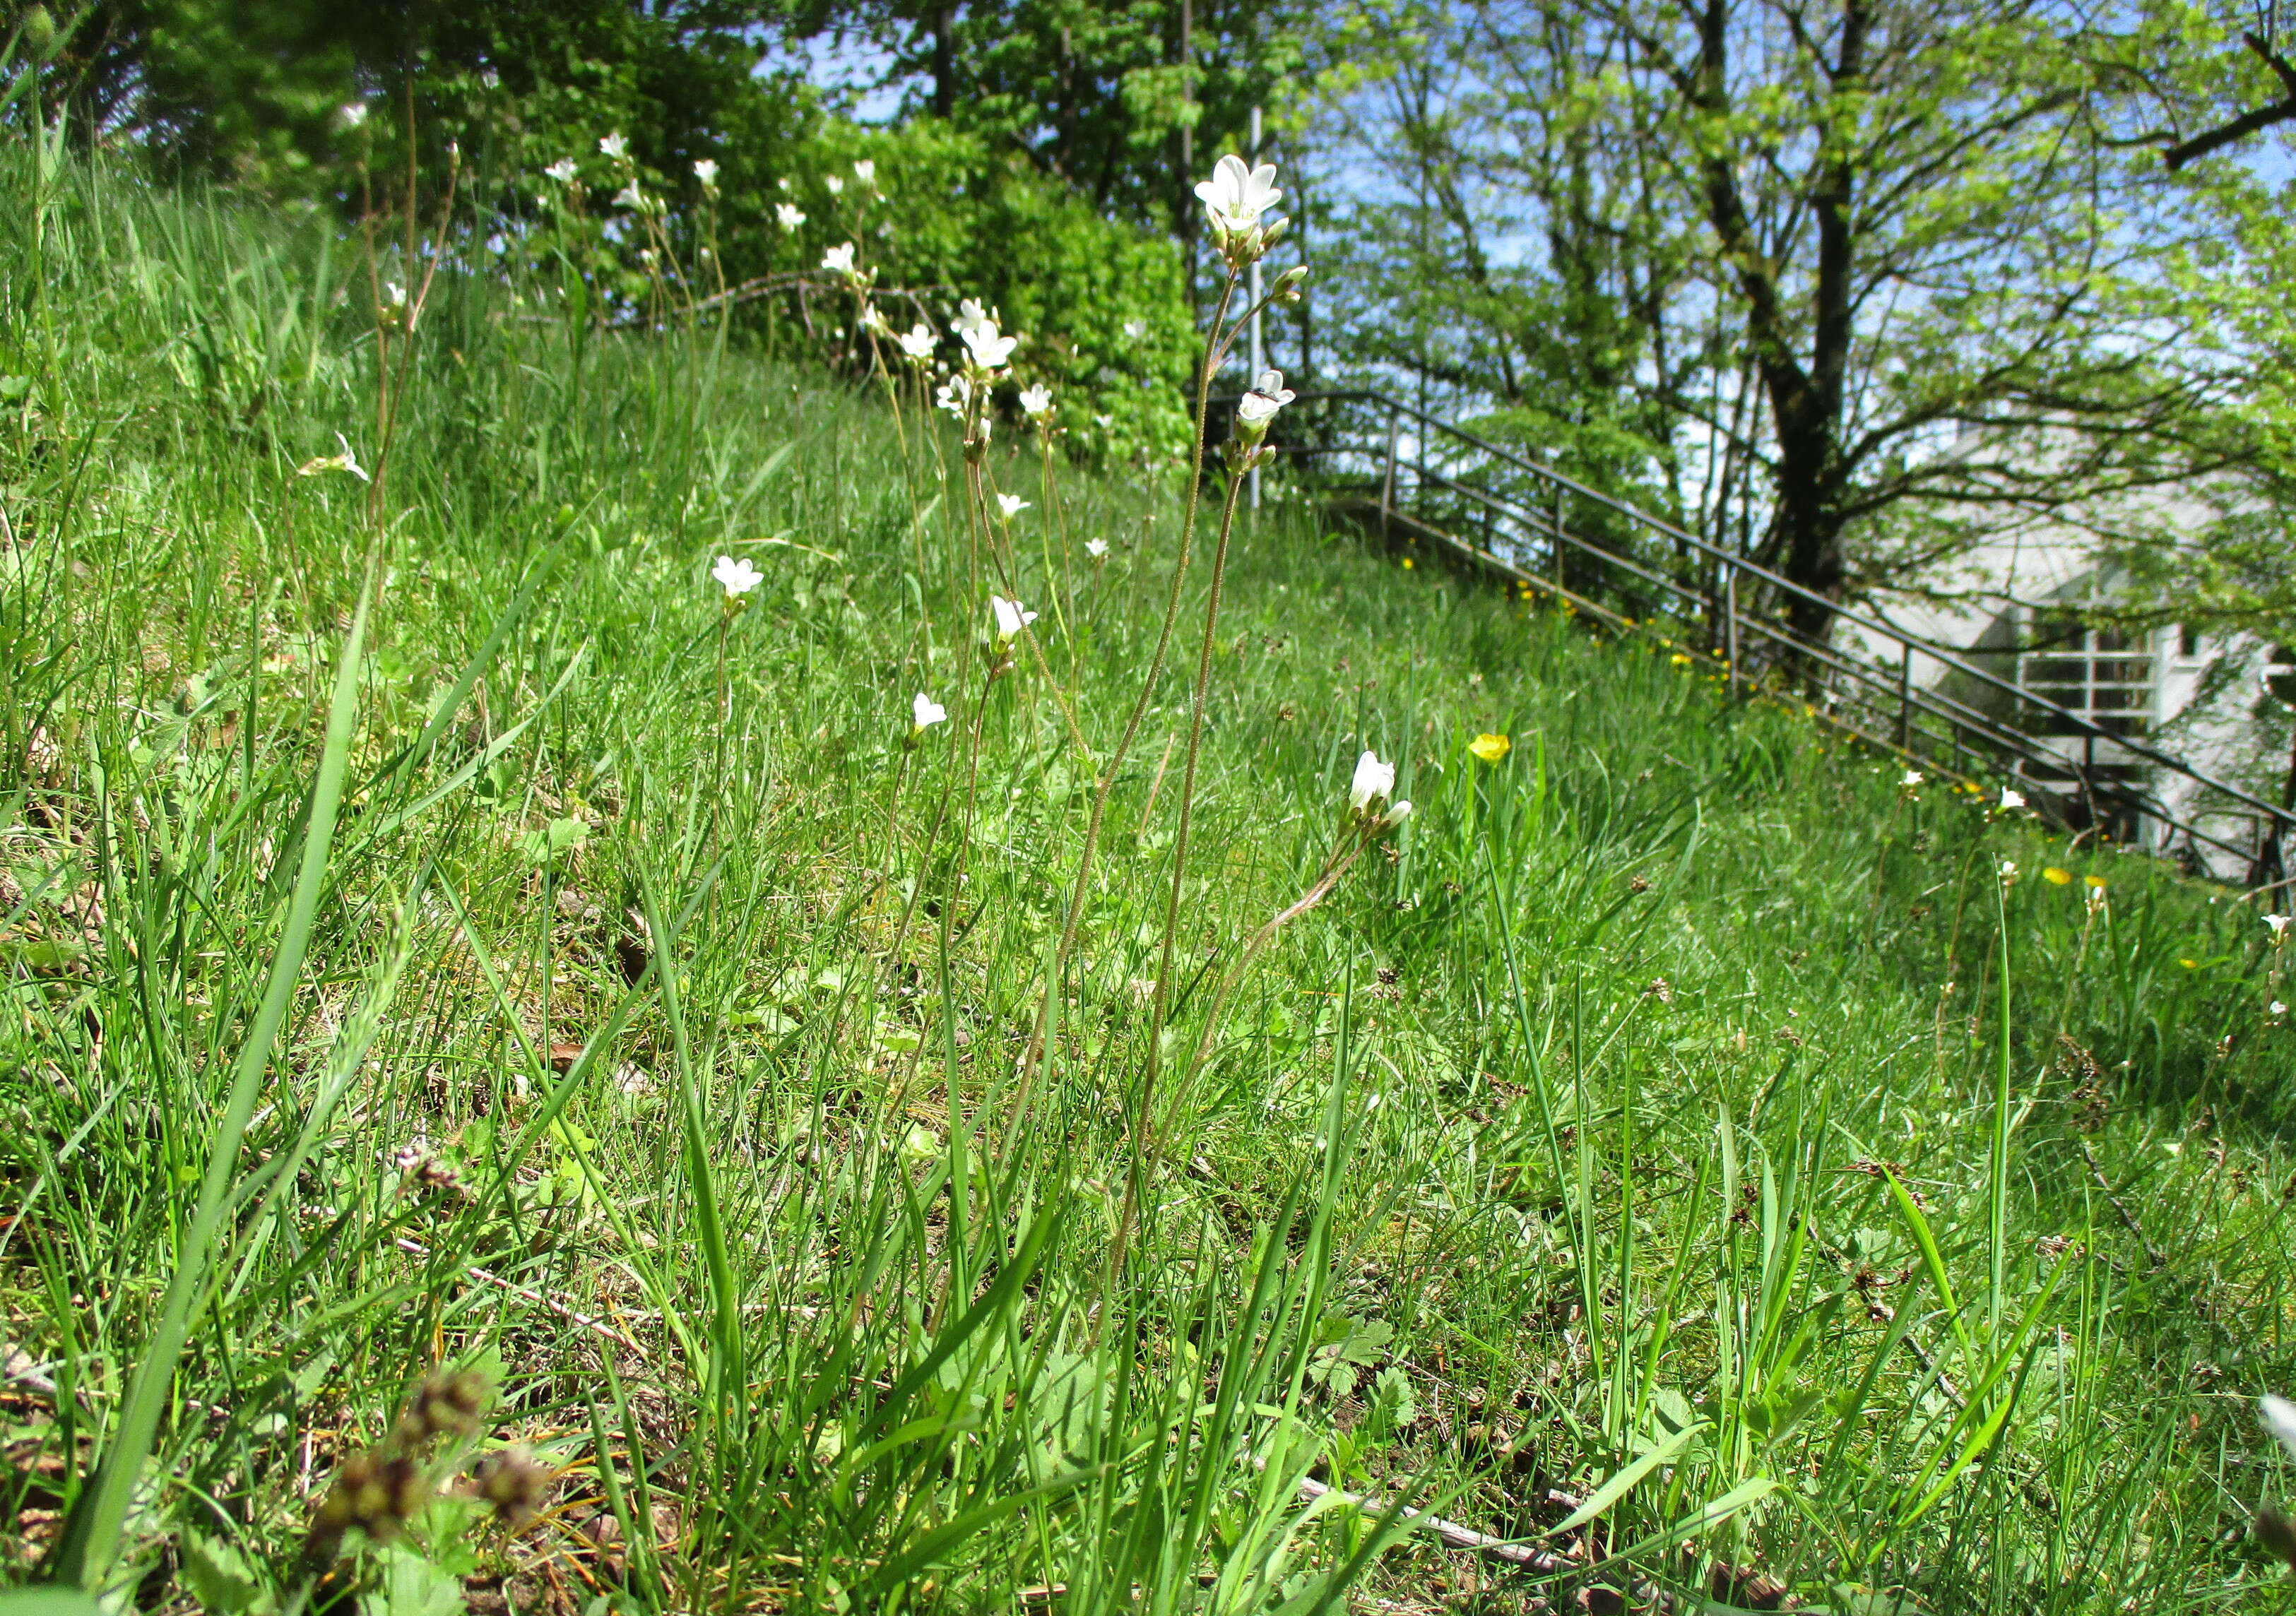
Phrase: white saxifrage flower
(970, 314)
(1395, 815)
(629, 196)
(2279, 1009)
(954, 396)
(563, 171)
(918, 341)
(1910, 778)
(2008, 872)
(1373, 783)
(835, 184)
(838, 259)
(2279, 1417)
(1011, 619)
(2279, 925)
(354, 114)
(1237, 195)
(616, 146)
(2011, 799)
(1011, 505)
(1095, 548)
(790, 217)
(1134, 329)
(1037, 401)
(705, 169)
(737, 575)
(1268, 395)
(989, 351)
(866, 171)
(928, 711)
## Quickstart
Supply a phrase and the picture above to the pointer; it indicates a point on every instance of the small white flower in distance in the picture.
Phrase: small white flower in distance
(1037, 400)
(1011, 505)
(737, 575)
(354, 114)
(874, 319)
(1395, 815)
(2278, 922)
(970, 314)
(2279, 1009)
(928, 711)
(2008, 871)
(630, 196)
(1095, 548)
(954, 394)
(989, 351)
(790, 217)
(705, 169)
(1010, 618)
(1237, 195)
(563, 171)
(782, 183)
(835, 184)
(2011, 799)
(918, 341)
(615, 146)
(1910, 778)
(838, 259)
(865, 171)
(2279, 1416)
(1373, 781)
(1104, 421)
(394, 294)
(1134, 329)
(1371, 1101)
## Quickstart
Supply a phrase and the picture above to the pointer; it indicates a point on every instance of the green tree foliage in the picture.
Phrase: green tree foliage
(1850, 284)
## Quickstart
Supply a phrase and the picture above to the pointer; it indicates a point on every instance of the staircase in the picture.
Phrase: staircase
(1404, 473)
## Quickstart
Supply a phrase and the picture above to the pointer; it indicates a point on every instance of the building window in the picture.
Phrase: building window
(2188, 642)
(2102, 674)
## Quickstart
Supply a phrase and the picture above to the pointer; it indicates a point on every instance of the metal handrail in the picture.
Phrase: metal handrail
(1723, 603)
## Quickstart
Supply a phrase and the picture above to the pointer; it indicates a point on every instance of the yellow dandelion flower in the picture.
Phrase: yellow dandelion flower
(1490, 748)
(2096, 881)
(2057, 877)
(2190, 965)
(1680, 660)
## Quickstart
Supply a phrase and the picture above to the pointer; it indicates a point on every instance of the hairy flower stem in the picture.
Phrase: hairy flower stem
(1146, 1100)
(1081, 893)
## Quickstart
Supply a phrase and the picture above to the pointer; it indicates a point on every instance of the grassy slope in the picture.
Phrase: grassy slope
(1637, 1006)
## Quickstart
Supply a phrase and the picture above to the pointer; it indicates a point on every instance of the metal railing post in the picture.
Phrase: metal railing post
(1555, 560)
(1387, 482)
(1905, 696)
(1730, 624)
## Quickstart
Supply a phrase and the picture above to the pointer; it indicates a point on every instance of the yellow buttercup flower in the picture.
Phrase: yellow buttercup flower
(1490, 748)
(2057, 877)
(2096, 881)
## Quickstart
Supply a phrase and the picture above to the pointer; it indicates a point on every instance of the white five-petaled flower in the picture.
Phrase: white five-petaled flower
(838, 259)
(354, 114)
(989, 351)
(630, 196)
(1373, 782)
(1237, 195)
(737, 575)
(918, 341)
(1037, 400)
(954, 396)
(2279, 1416)
(1011, 619)
(928, 711)
(2011, 799)
(563, 171)
(2008, 871)
(2279, 925)
(790, 217)
(1011, 504)
(1267, 396)
(1134, 329)
(616, 146)
(705, 169)
(864, 170)
(970, 314)
(1910, 778)
(836, 184)
(2279, 1009)
(1095, 548)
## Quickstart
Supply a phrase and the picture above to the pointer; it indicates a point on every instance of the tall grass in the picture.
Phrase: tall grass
(1674, 1148)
